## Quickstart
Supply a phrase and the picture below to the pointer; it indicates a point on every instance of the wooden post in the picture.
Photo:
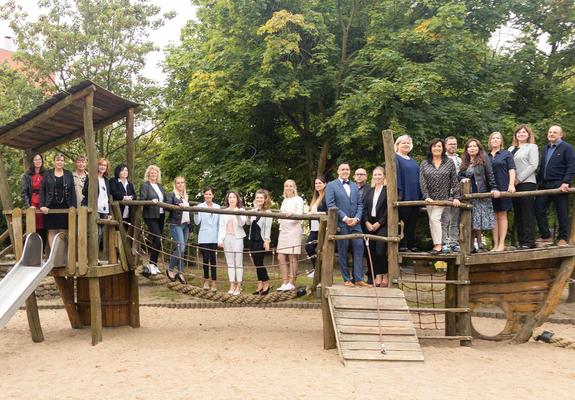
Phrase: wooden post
(123, 238)
(137, 235)
(465, 244)
(72, 236)
(95, 310)
(571, 296)
(31, 221)
(392, 210)
(89, 140)
(17, 232)
(134, 300)
(328, 262)
(112, 241)
(82, 268)
(319, 252)
(5, 196)
(451, 299)
(130, 147)
(563, 274)
(66, 289)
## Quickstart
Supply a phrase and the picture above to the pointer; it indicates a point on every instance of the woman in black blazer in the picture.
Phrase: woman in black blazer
(375, 220)
(102, 194)
(122, 189)
(179, 223)
(153, 216)
(57, 192)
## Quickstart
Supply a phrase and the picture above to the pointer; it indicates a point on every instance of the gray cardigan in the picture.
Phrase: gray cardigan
(147, 192)
(526, 162)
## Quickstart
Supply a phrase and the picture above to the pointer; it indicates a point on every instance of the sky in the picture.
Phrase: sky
(168, 34)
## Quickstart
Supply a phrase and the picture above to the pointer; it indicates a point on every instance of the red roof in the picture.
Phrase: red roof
(6, 56)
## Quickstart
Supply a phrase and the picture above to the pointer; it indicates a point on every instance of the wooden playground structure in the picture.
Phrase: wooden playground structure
(366, 324)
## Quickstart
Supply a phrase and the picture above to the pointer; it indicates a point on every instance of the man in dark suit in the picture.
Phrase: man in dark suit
(556, 170)
(344, 195)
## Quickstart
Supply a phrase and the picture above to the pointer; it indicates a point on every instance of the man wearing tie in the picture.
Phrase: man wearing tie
(344, 195)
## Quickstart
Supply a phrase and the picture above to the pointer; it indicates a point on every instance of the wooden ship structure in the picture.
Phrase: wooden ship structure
(365, 324)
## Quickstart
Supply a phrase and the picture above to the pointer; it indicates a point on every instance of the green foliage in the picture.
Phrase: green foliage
(106, 41)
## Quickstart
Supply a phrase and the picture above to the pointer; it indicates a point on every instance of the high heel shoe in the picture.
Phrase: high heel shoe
(181, 278)
(257, 292)
(265, 292)
(170, 274)
(237, 291)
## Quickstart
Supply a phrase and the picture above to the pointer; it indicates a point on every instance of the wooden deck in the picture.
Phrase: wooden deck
(363, 326)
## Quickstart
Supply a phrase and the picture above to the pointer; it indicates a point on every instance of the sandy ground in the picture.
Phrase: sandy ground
(261, 353)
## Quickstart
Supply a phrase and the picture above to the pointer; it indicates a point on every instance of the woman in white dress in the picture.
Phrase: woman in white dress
(289, 240)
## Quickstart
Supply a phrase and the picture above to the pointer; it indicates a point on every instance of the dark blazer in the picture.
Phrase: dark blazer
(118, 192)
(49, 185)
(561, 166)
(85, 191)
(483, 175)
(26, 188)
(147, 192)
(175, 215)
(349, 206)
(380, 208)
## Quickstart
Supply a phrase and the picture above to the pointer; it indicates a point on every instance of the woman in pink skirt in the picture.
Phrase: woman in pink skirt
(289, 240)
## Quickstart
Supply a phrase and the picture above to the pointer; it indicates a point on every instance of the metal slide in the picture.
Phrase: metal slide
(28, 273)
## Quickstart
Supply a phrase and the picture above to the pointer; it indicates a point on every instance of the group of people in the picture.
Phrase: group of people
(362, 208)
(520, 168)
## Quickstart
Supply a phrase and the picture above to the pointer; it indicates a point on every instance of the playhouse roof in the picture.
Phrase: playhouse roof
(60, 119)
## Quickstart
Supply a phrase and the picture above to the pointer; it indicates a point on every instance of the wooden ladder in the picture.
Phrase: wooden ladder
(363, 328)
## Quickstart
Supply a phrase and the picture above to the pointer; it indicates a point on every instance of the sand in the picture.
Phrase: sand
(253, 353)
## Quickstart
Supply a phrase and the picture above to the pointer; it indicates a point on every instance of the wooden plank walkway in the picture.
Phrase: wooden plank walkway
(362, 327)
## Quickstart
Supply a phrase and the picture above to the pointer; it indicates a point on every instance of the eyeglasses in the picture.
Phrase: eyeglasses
(360, 173)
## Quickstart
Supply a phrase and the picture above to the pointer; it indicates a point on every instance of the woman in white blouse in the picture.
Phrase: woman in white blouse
(289, 240)
(231, 238)
(154, 216)
(526, 158)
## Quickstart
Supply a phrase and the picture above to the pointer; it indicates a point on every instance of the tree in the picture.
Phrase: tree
(106, 41)
(289, 88)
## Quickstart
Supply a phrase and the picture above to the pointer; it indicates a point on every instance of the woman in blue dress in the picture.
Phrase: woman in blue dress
(504, 171)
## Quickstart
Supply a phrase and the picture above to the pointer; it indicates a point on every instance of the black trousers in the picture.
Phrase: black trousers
(561, 202)
(409, 217)
(258, 254)
(156, 227)
(208, 252)
(311, 248)
(378, 252)
(524, 210)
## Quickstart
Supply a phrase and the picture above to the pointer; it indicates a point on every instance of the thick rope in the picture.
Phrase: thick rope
(223, 297)
(558, 341)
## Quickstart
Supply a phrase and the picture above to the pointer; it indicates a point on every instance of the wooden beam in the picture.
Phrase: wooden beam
(78, 133)
(47, 114)
(328, 262)
(465, 244)
(543, 192)
(92, 153)
(130, 145)
(392, 212)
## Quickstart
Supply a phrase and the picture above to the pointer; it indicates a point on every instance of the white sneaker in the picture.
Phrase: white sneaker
(153, 269)
(282, 287)
(311, 273)
(289, 286)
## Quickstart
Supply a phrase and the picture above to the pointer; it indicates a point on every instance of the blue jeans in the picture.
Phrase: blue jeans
(357, 246)
(180, 236)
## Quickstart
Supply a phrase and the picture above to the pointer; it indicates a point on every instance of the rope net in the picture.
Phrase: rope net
(424, 295)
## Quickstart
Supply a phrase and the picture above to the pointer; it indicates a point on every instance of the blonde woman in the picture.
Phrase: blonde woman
(374, 218)
(179, 223)
(289, 240)
(153, 216)
(504, 172)
(231, 236)
(260, 236)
